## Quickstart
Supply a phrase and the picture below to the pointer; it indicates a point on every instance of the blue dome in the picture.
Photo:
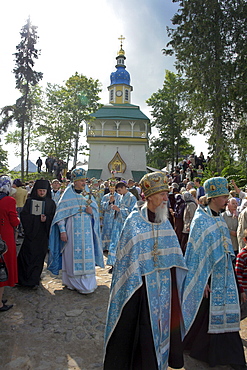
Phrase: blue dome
(121, 76)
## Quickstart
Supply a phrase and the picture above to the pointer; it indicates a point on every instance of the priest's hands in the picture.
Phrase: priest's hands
(115, 208)
(89, 210)
(206, 291)
(63, 237)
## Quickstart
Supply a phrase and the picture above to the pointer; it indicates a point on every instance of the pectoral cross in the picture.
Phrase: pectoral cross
(225, 245)
(155, 252)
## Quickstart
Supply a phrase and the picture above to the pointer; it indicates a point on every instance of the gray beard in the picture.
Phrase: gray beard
(161, 213)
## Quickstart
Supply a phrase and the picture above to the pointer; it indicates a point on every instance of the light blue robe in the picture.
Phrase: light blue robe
(206, 256)
(86, 240)
(56, 196)
(135, 259)
(108, 217)
(126, 204)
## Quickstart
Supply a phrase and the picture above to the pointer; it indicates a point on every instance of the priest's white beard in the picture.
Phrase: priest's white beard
(161, 213)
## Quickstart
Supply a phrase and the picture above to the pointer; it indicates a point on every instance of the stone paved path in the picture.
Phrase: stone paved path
(53, 328)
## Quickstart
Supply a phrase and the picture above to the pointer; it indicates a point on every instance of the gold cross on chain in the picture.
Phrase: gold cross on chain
(155, 252)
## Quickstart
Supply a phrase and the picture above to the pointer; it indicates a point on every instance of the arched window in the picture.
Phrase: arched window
(111, 94)
(126, 97)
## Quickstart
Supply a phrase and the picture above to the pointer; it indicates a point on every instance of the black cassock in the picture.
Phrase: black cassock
(35, 245)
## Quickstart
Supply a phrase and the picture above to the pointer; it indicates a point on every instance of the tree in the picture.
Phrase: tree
(170, 118)
(210, 44)
(3, 160)
(66, 109)
(25, 78)
(12, 114)
(240, 141)
(55, 131)
(82, 100)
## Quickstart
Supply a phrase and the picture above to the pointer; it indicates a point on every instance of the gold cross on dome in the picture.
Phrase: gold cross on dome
(121, 38)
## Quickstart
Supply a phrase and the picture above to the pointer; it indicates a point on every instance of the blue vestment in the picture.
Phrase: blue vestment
(108, 217)
(148, 250)
(56, 195)
(86, 243)
(209, 253)
(126, 204)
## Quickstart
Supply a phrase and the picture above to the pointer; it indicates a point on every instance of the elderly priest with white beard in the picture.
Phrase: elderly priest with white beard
(144, 316)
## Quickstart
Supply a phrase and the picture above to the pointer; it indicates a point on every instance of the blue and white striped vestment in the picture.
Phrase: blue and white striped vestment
(209, 253)
(87, 246)
(135, 259)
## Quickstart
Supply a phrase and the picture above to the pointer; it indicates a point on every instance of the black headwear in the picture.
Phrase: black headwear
(41, 184)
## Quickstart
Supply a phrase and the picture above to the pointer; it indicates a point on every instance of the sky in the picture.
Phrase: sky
(82, 36)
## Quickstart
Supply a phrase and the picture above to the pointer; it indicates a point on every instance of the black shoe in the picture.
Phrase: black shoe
(5, 307)
(238, 367)
(4, 301)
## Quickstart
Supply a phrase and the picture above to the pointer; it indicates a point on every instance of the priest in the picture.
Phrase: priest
(75, 241)
(210, 297)
(144, 316)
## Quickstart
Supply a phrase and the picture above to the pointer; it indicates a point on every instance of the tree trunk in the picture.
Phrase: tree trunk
(22, 150)
(28, 146)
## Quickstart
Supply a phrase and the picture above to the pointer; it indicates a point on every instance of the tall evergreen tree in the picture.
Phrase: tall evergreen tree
(170, 118)
(26, 77)
(209, 43)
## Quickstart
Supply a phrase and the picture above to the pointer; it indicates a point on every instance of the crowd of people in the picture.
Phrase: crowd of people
(177, 252)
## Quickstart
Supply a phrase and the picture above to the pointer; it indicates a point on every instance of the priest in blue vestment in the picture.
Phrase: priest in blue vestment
(126, 203)
(210, 295)
(75, 240)
(107, 202)
(143, 329)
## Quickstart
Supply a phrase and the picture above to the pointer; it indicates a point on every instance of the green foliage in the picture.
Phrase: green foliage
(3, 160)
(210, 44)
(22, 112)
(24, 57)
(65, 110)
(170, 118)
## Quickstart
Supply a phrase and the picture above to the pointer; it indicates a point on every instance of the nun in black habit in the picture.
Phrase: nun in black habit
(36, 218)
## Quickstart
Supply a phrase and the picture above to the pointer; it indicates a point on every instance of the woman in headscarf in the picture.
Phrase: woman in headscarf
(36, 218)
(189, 211)
(8, 221)
(178, 216)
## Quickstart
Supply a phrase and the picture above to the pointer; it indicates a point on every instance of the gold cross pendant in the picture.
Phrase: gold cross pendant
(155, 252)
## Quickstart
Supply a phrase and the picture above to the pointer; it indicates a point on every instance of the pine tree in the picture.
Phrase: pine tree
(26, 77)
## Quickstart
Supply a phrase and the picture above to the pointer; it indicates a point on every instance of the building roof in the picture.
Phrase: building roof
(120, 111)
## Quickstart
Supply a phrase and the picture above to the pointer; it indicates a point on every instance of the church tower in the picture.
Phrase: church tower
(118, 135)
(120, 89)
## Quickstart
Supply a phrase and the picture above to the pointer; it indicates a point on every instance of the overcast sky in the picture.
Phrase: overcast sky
(82, 36)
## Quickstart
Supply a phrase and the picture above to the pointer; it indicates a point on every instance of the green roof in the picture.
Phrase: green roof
(120, 111)
(94, 173)
(137, 175)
